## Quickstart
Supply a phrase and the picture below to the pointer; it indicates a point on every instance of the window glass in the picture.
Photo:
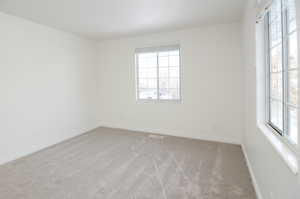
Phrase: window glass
(158, 74)
(283, 69)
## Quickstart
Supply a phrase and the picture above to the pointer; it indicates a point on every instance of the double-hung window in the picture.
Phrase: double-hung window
(282, 69)
(158, 73)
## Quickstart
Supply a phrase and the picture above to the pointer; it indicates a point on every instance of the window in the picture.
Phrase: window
(158, 73)
(282, 70)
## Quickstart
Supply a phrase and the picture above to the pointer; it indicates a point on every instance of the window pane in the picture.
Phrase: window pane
(147, 72)
(148, 83)
(163, 93)
(276, 59)
(147, 93)
(169, 94)
(174, 61)
(275, 32)
(169, 75)
(292, 26)
(143, 83)
(174, 83)
(291, 14)
(293, 87)
(276, 86)
(142, 73)
(164, 53)
(163, 61)
(175, 52)
(292, 133)
(174, 71)
(293, 51)
(152, 83)
(163, 72)
(142, 62)
(147, 55)
(152, 62)
(276, 114)
(147, 60)
(275, 10)
(164, 83)
(174, 94)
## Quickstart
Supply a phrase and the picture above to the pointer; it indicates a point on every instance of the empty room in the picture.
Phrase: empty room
(149, 99)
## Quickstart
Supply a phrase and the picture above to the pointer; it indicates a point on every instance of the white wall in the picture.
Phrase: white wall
(211, 85)
(47, 87)
(49, 82)
(274, 179)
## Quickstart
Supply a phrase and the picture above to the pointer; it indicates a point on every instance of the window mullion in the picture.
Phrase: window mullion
(285, 67)
(267, 75)
(157, 80)
(168, 75)
(138, 77)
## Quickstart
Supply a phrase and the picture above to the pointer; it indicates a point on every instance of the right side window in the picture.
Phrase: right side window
(282, 71)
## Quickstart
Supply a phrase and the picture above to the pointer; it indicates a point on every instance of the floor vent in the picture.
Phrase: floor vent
(156, 136)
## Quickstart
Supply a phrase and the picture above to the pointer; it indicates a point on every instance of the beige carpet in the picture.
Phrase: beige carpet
(118, 164)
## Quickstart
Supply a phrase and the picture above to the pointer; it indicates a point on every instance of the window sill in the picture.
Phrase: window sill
(177, 101)
(288, 156)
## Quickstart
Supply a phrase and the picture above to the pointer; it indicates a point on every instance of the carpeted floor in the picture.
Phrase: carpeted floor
(118, 164)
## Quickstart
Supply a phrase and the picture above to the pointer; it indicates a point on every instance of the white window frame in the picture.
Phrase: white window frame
(288, 152)
(157, 50)
(280, 134)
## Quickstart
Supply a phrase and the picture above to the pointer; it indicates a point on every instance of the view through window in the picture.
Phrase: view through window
(283, 69)
(158, 73)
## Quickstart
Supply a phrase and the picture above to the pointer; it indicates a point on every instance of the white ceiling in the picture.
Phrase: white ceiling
(101, 19)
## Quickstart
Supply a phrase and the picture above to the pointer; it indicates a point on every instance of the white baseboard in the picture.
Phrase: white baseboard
(254, 181)
(171, 133)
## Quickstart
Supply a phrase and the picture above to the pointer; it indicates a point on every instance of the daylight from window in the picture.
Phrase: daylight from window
(283, 72)
(158, 75)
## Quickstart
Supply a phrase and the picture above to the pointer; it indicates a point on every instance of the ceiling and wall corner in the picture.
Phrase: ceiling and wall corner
(102, 19)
